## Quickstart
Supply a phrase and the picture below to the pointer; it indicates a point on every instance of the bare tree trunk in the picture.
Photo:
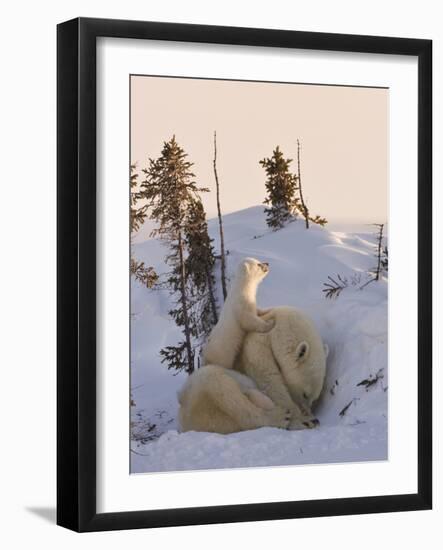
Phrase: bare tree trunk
(380, 238)
(184, 302)
(222, 239)
(303, 204)
(211, 296)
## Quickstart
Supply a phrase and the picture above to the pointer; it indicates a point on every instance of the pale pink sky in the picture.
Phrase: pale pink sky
(343, 131)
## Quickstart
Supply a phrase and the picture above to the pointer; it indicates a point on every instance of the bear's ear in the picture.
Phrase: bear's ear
(246, 267)
(302, 351)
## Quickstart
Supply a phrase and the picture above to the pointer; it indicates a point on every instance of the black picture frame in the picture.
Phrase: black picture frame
(76, 280)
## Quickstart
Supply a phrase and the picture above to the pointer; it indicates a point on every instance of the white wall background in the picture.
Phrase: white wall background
(27, 285)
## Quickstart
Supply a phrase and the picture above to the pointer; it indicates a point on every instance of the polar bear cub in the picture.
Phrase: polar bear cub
(215, 399)
(238, 316)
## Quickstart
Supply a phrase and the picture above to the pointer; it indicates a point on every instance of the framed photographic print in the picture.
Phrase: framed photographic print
(244, 274)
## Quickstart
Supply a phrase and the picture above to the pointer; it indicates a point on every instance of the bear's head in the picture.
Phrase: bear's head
(299, 352)
(253, 269)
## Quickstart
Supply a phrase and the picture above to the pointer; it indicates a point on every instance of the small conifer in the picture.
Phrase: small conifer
(281, 190)
(173, 201)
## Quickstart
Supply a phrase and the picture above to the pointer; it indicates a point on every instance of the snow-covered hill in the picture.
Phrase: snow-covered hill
(353, 417)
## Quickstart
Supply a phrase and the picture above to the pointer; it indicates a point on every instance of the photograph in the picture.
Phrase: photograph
(258, 273)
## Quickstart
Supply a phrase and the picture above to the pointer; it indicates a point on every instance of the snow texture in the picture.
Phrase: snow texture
(353, 417)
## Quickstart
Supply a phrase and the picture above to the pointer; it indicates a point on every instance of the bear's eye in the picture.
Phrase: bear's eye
(302, 350)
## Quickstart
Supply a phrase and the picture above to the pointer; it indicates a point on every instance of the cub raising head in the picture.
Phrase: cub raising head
(239, 315)
(253, 269)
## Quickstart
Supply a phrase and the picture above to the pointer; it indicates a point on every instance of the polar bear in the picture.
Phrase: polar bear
(277, 376)
(238, 316)
(289, 363)
(220, 400)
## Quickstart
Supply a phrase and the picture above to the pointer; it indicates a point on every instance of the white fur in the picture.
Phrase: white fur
(215, 399)
(288, 364)
(238, 316)
(281, 372)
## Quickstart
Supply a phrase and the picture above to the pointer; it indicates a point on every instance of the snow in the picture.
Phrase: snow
(354, 326)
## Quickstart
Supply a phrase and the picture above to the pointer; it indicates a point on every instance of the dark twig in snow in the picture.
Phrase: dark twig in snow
(344, 410)
(136, 453)
(371, 380)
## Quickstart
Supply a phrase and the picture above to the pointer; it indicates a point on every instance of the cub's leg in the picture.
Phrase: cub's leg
(259, 399)
(249, 388)
(243, 412)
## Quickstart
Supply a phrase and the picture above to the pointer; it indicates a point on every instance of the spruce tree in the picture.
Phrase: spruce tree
(171, 193)
(281, 190)
(199, 283)
(200, 264)
(180, 356)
